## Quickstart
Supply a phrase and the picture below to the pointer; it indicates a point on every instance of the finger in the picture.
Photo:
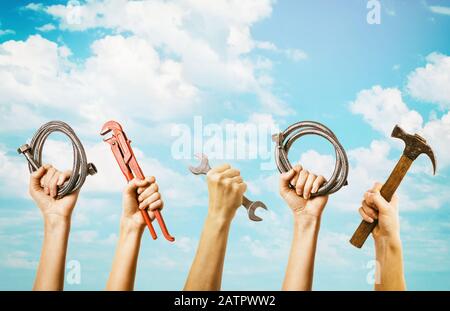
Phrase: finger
(297, 169)
(237, 180)
(220, 168)
(230, 173)
(300, 185)
(368, 199)
(285, 178)
(134, 184)
(53, 185)
(154, 197)
(47, 177)
(158, 204)
(63, 177)
(242, 187)
(308, 186)
(150, 179)
(372, 213)
(318, 183)
(364, 216)
(35, 178)
(381, 204)
(148, 192)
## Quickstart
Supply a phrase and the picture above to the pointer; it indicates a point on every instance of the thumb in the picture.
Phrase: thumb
(35, 178)
(285, 178)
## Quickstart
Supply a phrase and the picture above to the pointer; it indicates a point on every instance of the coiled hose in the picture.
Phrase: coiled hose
(80, 168)
(285, 139)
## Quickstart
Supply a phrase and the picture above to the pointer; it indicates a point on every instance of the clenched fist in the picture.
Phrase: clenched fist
(226, 189)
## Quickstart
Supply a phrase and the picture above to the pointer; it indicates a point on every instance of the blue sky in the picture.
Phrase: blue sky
(154, 64)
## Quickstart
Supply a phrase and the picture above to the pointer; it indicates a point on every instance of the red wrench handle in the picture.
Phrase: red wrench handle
(163, 227)
(134, 166)
(148, 221)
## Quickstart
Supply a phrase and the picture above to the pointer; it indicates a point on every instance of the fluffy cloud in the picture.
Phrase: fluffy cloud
(14, 175)
(437, 132)
(46, 27)
(124, 76)
(216, 35)
(432, 82)
(18, 260)
(383, 108)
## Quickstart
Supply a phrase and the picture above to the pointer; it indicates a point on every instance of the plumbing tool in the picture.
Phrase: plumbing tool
(121, 148)
(80, 168)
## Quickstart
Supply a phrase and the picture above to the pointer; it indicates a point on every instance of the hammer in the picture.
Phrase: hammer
(415, 145)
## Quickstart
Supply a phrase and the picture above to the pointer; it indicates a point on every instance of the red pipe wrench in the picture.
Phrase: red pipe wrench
(121, 148)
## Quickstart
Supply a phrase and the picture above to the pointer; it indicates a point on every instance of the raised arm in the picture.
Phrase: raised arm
(388, 246)
(137, 195)
(57, 217)
(226, 188)
(307, 212)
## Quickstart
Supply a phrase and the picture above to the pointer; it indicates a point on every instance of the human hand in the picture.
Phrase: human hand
(374, 206)
(299, 199)
(138, 195)
(226, 189)
(43, 189)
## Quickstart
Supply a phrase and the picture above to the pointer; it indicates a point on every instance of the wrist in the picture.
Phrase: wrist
(54, 222)
(128, 226)
(306, 221)
(392, 241)
(217, 222)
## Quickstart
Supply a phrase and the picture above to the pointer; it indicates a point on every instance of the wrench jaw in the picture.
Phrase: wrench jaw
(203, 167)
(111, 126)
(252, 208)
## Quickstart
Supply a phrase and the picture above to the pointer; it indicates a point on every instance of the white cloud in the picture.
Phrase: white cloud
(124, 77)
(217, 36)
(18, 260)
(384, 108)
(437, 133)
(432, 82)
(46, 28)
(14, 175)
(4, 32)
(444, 10)
(296, 55)
(34, 6)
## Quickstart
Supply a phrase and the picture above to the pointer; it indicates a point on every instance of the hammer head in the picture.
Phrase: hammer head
(415, 145)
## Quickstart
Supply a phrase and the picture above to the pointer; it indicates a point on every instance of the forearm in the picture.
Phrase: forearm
(300, 268)
(207, 268)
(389, 268)
(123, 270)
(50, 273)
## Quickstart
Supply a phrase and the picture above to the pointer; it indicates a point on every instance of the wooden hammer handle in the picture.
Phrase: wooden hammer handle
(387, 191)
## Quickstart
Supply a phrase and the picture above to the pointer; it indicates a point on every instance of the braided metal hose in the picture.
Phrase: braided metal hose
(285, 139)
(80, 168)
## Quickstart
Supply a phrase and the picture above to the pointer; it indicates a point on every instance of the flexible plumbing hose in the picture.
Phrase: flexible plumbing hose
(285, 139)
(80, 168)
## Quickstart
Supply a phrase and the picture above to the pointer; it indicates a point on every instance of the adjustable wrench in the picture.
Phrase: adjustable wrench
(121, 148)
(203, 168)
